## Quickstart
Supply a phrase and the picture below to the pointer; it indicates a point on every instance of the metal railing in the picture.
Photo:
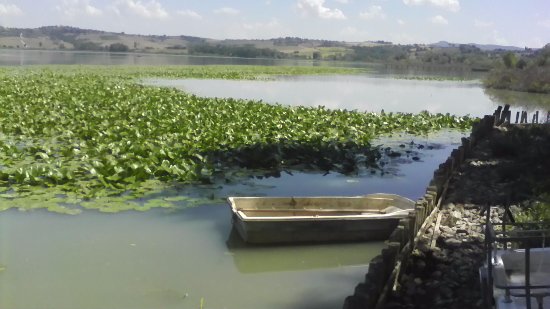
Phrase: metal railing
(511, 235)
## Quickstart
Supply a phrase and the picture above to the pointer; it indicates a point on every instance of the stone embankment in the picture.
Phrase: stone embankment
(505, 165)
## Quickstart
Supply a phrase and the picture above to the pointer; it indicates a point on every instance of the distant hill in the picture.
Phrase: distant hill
(484, 47)
(491, 47)
(71, 38)
(476, 57)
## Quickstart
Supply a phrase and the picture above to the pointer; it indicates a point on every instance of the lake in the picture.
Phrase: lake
(174, 258)
(24, 57)
(363, 93)
(180, 257)
(352, 92)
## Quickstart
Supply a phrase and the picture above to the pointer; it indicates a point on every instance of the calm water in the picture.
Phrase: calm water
(362, 93)
(35, 57)
(164, 260)
(366, 93)
(174, 258)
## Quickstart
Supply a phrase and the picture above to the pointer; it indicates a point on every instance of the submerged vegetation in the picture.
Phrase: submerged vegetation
(71, 135)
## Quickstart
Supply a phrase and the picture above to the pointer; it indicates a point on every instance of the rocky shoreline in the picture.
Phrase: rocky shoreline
(507, 167)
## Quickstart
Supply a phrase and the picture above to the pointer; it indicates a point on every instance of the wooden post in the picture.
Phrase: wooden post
(537, 117)
(517, 117)
(503, 115)
(497, 115)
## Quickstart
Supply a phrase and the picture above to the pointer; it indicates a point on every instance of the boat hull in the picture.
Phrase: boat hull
(284, 231)
(318, 219)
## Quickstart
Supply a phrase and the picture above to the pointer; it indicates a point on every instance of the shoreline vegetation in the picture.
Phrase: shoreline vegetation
(527, 74)
(507, 67)
(74, 137)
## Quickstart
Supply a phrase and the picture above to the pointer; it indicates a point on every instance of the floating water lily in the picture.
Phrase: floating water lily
(95, 132)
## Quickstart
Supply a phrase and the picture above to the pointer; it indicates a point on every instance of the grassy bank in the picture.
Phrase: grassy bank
(78, 133)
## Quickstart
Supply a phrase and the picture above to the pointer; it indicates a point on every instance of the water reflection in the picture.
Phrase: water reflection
(255, 259)
(40, 57)
(163, 260)
(520, 100)
(362, 93)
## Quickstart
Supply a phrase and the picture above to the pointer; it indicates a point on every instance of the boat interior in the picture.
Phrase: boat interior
(516, 273)
(371, 205)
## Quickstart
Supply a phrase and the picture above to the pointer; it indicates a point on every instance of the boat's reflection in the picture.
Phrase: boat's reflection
(276, 258)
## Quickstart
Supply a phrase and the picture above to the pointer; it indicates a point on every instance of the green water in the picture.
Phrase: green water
(164, 260)
(173, 258)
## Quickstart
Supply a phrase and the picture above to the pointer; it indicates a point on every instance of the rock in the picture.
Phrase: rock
(423, 247)
(456, 214)
(393, 305)
(410, 287)
(446, 292)
(436, 274)
(453, 242)
(420, 265)
(462, 231)
(417, 253)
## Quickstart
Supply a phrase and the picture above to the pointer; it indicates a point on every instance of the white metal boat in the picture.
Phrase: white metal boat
(264, 220)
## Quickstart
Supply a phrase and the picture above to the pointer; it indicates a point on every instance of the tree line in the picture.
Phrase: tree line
(527, 72)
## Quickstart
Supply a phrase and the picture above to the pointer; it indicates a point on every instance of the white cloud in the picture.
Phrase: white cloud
(271, 24)
(262, 30)
(544, 23)
(482, 24)
(373, 12)
(400, 22)
(10, 10)
(343, 1)
(92, 11)
(151, 9)
(73, 8)
(439, 20)
(451, 5)
(190, 14)
(227, 11)
(317, 8)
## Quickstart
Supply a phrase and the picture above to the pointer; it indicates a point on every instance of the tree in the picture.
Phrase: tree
(118, 47)
(521, 64)
(316, 55)
(510, 60)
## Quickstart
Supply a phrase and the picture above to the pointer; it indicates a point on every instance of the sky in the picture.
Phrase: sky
(523, 23)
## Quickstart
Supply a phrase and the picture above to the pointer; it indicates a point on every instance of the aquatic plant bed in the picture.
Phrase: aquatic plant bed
(72, 134)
